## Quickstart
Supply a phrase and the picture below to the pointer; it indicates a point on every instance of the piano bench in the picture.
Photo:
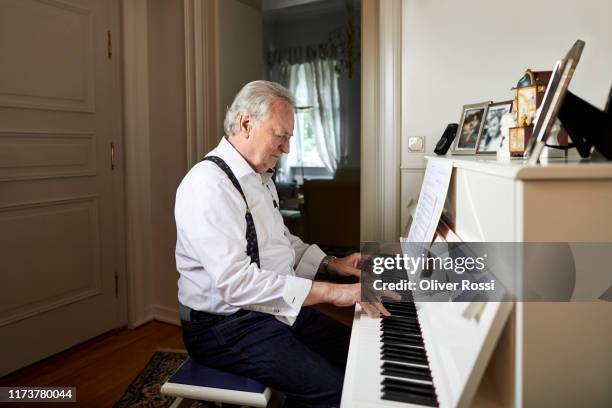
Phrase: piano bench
(197, 382)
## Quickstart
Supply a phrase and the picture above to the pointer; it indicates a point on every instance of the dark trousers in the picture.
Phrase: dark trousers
(305, 361)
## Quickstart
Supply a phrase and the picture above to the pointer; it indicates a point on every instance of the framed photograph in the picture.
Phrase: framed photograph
(491, 134)
(519, 137)
(470, 128)
(526, 104)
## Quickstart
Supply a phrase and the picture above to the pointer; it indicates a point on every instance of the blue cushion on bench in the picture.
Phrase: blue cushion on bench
(192, 373)
(197, 381)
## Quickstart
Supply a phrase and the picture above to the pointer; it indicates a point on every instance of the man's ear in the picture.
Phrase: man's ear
(245, 125)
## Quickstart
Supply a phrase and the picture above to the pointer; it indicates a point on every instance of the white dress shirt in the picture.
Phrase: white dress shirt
(216, 274)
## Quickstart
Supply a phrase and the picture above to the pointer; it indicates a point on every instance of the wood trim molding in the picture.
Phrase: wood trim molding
(370, 167)
(192, 119)
(201, 84)
(119, 173)
(390, 116)
(381, 120)
(137, 157)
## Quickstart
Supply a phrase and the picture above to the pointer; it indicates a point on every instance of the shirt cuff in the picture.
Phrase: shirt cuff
(294, 294)
(309, 264)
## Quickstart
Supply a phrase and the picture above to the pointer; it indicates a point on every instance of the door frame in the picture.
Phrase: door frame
(137, 160)
(381, 120)
(201, 78)
(118, 180)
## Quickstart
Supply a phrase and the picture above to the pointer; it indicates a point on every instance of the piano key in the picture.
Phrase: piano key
(409, 386)
(401, 332)
(406, 371)
(401, 341)
(404, 349)
(395, 309)
(410, 390)
(401, 305)
(390, 356)
(401, 325)
(409, 339)
(408, 330)
(401, 318)
(410, 399)
(414, 341)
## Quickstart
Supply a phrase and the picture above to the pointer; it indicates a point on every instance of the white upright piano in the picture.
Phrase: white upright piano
(531, 354)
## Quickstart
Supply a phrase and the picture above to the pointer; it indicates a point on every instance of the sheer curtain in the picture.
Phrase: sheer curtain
(326, 105)
(314, 84)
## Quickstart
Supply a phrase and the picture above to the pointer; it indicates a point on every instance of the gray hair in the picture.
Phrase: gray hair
(254, 99)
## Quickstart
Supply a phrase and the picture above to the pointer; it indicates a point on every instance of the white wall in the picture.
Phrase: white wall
(460, 52)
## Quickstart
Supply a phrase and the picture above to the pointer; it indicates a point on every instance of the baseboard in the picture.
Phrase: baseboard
(148, 316)
(166, 314)
(160, 313)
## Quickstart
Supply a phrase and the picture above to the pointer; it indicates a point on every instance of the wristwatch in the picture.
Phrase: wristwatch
(325, 263)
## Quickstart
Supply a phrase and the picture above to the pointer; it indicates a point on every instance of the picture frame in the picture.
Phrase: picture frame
(491, 136)
(526, 97)
(553, 98)
(470, 128)
(517, 141)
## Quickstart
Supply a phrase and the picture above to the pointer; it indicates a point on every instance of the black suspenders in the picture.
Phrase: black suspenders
(251, 235)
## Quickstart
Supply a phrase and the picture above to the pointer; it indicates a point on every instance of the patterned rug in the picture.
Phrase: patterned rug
(144, 390)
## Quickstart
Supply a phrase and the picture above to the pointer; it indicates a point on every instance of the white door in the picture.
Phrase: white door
(59, 105)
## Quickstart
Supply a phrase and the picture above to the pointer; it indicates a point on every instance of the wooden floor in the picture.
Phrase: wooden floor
(100, 369)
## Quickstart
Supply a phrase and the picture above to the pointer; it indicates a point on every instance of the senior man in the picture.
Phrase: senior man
(245, 280)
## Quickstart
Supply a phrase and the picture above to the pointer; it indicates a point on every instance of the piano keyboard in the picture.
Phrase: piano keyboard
(405, 372)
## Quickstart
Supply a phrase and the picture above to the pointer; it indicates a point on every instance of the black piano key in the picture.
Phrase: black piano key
(393, 341)
(402, 315)
(404, 350)
(410, 399)
(408, 330)
(402, 337)
(393, 318)
(399, 322)
(409, 339)
(396, 311)
(410, 386)
(400, 332)
(403, 325)
(401, 341)
(400, 306)
(405, 371)
(388, 356)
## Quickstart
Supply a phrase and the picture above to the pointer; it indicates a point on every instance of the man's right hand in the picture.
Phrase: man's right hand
(342, 295)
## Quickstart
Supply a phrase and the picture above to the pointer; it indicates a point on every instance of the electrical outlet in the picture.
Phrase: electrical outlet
(416, 144)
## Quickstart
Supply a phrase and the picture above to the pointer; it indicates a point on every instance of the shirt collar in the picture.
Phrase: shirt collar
(240, 167)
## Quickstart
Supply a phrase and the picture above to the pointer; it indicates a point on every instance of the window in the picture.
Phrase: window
(303, 151)
(315, 145)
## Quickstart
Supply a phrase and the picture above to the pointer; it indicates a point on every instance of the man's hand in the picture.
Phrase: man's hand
(343, 295)
(347, 266)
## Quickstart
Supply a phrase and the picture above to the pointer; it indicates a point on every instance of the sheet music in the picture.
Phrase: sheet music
(431, 200)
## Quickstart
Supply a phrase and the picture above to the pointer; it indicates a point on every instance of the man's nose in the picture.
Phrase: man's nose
(284, 147)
